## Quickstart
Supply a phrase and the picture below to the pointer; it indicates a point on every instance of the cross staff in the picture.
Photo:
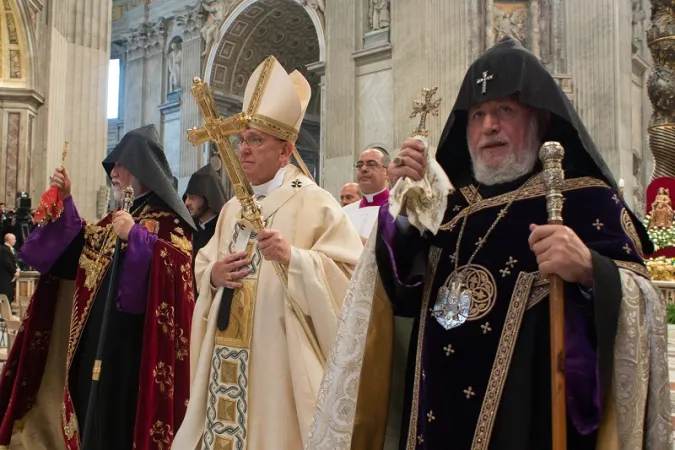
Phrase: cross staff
(424, 108)
(551, 155)
(218, 130)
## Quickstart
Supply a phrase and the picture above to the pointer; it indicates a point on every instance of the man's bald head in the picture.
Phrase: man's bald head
(371, 170)
(10, 239)
(350, 193)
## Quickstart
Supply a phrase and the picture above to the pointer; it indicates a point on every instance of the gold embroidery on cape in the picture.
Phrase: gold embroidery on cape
(182, 345)
(538, 291)
(224, 443)
(629, 228)
(483, 289)
(163, 375)
(168, 264)
(265, 74)
(471, 194)
(434, 256)
(227, 410)
(182, 244)
(633, 267)
(69, 425)
(502, 362)
(535, 189)
(162, 435)
(228, 372)
(165, 319)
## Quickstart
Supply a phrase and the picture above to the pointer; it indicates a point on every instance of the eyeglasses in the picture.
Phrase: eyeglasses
(252, 141)
(369, 164)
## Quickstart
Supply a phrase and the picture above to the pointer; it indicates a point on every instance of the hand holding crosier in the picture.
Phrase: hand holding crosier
(61, 181)
(228, 271)
(561, 252)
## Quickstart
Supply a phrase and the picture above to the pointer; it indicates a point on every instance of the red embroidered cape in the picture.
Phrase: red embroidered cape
(164, 382)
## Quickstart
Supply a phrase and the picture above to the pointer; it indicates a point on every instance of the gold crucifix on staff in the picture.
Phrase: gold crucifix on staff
(219, 130)
(423, 109)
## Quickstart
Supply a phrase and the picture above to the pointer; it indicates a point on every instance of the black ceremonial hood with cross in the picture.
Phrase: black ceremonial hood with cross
(508, 69)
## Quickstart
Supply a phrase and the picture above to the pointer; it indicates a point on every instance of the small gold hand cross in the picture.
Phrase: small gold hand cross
(424, 108)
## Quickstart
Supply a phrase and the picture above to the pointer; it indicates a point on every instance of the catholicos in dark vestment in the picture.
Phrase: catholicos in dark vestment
(143, 385)
(204, 198)
(477, 371)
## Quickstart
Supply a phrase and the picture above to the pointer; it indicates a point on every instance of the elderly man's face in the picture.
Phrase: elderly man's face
(121, 179)
(349, 194)
(503, 139)
(262, 155)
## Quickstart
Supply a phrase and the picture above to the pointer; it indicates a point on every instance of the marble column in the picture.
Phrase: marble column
(339, 127)
(191, 158)
(535, 16)
(134, 80)
(430, 49)
(489, 23)
(154, 78)
(76, 52)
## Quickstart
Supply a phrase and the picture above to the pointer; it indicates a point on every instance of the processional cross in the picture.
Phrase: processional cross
(423, 109)
(484, 79)
(219, 130)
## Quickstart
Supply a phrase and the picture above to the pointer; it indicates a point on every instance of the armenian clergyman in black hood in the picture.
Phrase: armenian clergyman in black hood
(477, 375)
(143, 384)
(204, 198)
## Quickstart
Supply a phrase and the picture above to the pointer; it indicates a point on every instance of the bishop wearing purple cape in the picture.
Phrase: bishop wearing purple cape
(473, 370)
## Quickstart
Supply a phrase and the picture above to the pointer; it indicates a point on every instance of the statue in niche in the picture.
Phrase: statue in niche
(219, 10)
(511, 22)
(378, 14)
(662, 210)
(175, 58)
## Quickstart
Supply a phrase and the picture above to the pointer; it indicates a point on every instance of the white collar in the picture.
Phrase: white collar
(203, 224)
(272, 185)
(370, 197)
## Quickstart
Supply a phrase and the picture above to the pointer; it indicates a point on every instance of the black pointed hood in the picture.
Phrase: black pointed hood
(508, 69)
(206, 183)
(140, 153)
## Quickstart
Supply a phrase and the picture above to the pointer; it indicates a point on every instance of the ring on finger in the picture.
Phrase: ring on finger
(398, 161)
(228, 276)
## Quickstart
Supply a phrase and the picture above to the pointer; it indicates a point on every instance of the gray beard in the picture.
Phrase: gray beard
(118, 193)
(514, 165)
(510, 169)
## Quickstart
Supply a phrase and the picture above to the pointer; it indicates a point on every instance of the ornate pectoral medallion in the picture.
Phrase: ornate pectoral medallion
(469, 293)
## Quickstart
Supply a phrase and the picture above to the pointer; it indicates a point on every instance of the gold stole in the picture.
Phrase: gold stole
(227, 408)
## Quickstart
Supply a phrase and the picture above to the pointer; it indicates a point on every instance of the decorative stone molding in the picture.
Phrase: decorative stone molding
(661, 87)
(155, 37)
(372, 55)
(191, 19)
(318, 6)
(134, 42)
(26, 97)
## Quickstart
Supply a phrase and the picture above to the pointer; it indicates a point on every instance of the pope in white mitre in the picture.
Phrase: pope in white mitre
(256, 363)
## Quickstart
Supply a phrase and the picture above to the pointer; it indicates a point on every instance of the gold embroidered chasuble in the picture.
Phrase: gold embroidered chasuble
(254, 385)
(359, 383)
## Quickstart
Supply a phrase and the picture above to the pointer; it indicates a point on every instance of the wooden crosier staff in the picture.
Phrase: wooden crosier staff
(109, 301)
(551, 155)
(218, 130)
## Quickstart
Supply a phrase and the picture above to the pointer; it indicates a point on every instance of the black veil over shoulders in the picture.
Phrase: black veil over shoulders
(508, 69)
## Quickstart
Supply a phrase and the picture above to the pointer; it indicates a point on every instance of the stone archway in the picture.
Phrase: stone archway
(255, 30)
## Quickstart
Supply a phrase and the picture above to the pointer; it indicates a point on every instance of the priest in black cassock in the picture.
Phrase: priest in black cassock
(477, 371)
(204, 198)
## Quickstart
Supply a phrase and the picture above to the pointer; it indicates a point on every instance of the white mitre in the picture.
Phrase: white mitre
(275, 101)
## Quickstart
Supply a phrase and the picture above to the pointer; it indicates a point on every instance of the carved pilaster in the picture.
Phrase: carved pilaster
(155, 37)
(191, 20)
(135, 42)
(661, 87)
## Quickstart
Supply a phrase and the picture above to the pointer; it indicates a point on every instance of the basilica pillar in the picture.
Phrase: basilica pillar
(154, 74)
(75, 44)
(135, 45)
(191, 158)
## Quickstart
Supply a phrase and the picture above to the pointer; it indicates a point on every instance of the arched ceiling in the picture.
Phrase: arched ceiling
(268, 27)
(13, 56)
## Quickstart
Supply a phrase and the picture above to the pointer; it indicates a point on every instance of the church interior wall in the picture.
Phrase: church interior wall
(371, 74)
